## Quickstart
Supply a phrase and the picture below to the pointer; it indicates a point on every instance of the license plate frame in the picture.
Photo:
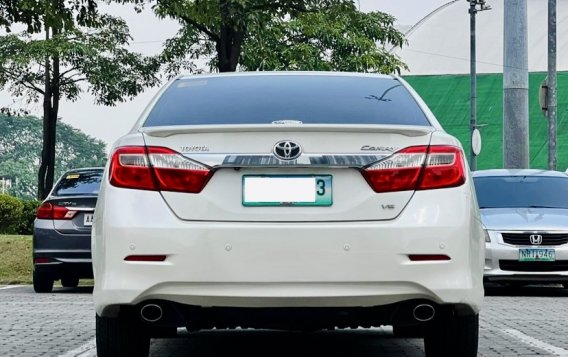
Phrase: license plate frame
(88, 219)
(537, 255)
(322, 188)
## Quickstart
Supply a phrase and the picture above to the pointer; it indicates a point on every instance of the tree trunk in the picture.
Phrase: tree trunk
(45, 157)
(230, 41)
(51, 98)
(50, 175)
(229, 49)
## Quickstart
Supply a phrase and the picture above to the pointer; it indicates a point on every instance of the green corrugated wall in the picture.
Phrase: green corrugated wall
(448, 97)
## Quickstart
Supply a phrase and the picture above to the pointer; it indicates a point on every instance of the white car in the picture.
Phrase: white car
(287, 200)
(525, 213)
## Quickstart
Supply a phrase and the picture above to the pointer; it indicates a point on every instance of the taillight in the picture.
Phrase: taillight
(417, 168)
(399, 172)
(177, 173)
(156, 168)
(129, 168)
(51, 211)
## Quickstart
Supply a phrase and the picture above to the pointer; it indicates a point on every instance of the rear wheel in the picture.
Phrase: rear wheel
(43, 282)
(70, 282)
(453, 336)
(121, 336)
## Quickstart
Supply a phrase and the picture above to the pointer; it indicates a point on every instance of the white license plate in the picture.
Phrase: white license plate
(88, 219)
(287, 190)
(537, 255)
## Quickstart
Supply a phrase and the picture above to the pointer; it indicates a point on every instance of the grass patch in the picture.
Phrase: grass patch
(15, 259)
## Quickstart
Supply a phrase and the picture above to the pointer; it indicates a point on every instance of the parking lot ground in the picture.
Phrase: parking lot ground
(531, 321)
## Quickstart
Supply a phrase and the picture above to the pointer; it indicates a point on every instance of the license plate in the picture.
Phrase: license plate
(536, 255)
(287, 190)
(88, 219)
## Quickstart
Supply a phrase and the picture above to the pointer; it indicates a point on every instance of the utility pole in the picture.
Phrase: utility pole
(551, 84)
(515, 86)
(473, 10)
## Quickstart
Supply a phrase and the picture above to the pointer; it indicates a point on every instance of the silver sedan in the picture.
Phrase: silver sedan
(525, 213)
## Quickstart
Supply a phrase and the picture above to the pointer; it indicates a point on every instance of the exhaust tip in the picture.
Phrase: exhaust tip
(423, 312)
(151, 312)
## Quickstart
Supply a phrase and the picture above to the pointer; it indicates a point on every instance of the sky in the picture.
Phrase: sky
(148, 32)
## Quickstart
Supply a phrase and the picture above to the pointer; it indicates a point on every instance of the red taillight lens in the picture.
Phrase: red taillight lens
(129, 168)
(399, 172)
(51, 211)
(444, 168)
(417, 168)
(177, 173)
(156, 168)
(45, 211)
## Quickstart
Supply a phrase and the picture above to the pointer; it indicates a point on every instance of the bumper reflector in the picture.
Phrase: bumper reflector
(41, 260)
(145, 258)
(427, 257)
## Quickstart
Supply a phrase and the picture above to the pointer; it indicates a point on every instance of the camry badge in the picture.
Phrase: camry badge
(536, 239)
(287, 150)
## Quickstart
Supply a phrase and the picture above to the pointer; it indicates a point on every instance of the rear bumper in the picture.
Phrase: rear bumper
(293, 265)
(58, 270)
(294, 318)
(66, 254)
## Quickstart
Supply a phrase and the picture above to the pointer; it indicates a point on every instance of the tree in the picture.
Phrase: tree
(337, 39)
(20, 152)
(279, 34)
(70, 59)
(35, 13)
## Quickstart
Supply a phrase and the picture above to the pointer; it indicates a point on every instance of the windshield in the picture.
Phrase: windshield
(267, 99)
(79, 184)
(522, 191)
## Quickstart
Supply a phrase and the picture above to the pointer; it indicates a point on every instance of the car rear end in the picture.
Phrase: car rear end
(288, 201)
(62, 230)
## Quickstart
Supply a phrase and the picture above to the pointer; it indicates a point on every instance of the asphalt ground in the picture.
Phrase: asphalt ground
(529, 321)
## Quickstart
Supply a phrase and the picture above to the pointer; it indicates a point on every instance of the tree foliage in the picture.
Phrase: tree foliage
(337, 39)
(10, 211)
(279, 35)
(36, 14)
(20, 152)
(80, 50)
(96, 57)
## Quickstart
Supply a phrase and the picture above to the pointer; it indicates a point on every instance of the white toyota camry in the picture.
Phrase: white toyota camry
(287, 200)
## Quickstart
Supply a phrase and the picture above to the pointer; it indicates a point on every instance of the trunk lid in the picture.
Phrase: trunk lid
(81, 223)
(335, 152)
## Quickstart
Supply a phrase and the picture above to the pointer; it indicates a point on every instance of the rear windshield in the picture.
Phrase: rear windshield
(267, 99)
(522, 191)
(79, 184)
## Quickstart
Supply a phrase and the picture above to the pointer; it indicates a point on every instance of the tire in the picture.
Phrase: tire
(453, 336)
(43, 283)
(121, 336)
(70, 282)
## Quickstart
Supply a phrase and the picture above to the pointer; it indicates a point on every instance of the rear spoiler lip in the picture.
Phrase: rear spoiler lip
(406, 130)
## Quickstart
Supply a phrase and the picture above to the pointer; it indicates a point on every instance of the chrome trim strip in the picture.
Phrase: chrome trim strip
(501, 240)
(530, 232)
(268, 160)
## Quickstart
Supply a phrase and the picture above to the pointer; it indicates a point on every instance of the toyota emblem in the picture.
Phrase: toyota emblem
(287, 150)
